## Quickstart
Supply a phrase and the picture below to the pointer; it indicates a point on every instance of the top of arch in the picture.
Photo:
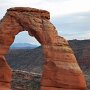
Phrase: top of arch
(43, 13)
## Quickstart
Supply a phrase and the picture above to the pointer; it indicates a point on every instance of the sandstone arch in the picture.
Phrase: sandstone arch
(61, 71)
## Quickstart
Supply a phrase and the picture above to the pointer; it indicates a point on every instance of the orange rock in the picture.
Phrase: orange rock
(61, 71)
(5, 74)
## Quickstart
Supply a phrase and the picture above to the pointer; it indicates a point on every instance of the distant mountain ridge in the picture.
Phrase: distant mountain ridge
(81, 50)
(23, 46)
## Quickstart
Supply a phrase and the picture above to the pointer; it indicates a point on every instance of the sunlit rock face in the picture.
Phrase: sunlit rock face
(61, 71)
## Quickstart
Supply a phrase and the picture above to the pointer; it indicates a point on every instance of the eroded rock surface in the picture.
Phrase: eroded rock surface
(61, 71)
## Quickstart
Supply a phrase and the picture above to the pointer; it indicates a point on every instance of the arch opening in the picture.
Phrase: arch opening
(25, 57)
(24, 38)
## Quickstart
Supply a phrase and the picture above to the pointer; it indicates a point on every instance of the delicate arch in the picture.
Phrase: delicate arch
(61, 71)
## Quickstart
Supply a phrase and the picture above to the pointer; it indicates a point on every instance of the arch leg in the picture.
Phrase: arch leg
(5, 74)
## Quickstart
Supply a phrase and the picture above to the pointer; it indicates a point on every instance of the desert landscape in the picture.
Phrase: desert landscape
(45, 45)
(60, 70)
(27, 64)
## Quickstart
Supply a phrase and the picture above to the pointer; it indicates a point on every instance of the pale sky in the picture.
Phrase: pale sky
(71, 17)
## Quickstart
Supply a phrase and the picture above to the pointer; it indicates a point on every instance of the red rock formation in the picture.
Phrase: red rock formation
(61, 71)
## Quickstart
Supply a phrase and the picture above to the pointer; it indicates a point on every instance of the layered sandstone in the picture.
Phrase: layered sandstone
(61, 71)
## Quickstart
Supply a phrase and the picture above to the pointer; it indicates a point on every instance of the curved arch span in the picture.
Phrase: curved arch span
(61, 71)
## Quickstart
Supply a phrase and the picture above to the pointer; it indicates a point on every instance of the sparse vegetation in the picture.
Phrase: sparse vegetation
(25, 80)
